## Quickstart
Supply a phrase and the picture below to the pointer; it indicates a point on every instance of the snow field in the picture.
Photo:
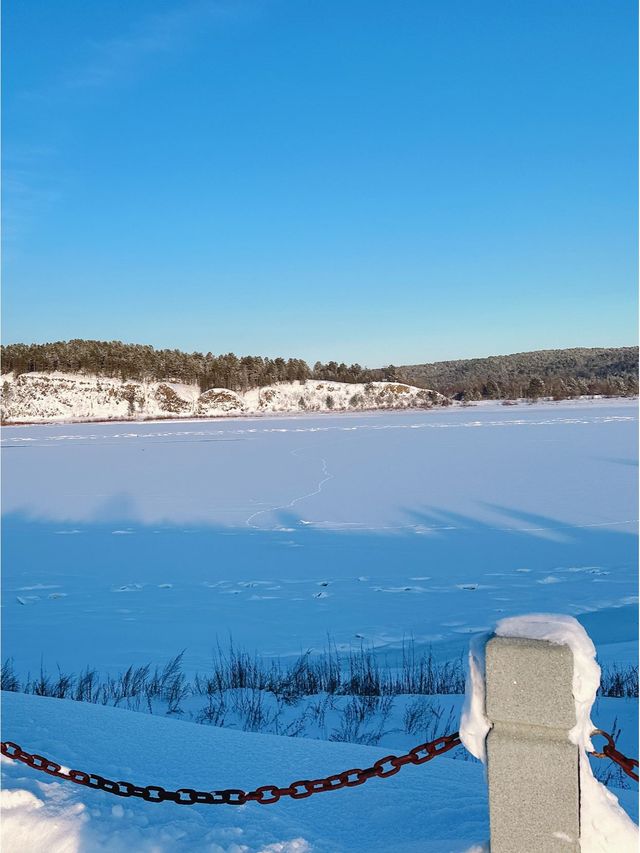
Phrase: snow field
(438, 806)
(124, 545)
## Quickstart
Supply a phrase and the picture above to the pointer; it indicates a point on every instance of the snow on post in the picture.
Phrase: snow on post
(530, 690)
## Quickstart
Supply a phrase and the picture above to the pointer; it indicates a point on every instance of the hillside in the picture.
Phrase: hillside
(559, 373)
(43, 397)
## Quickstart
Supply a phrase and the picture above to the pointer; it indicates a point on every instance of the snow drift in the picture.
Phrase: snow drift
(438, 807)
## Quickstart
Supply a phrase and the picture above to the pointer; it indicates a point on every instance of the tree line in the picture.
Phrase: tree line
(555, 373)
(561, 374)
(140, 362)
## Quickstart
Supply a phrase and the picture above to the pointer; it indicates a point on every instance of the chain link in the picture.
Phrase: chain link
(265, 794)
(269, 794)
(609, 751)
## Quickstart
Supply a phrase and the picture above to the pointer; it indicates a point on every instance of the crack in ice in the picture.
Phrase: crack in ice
(327, 476)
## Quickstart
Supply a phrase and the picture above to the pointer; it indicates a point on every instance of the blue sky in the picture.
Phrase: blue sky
(369, 180)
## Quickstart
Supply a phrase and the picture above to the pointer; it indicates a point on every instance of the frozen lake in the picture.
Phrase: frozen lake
(126, 543)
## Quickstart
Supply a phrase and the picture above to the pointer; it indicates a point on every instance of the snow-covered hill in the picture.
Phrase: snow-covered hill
(65, 397)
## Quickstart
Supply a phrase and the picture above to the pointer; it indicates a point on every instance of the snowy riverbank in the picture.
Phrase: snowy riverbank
(78, 398)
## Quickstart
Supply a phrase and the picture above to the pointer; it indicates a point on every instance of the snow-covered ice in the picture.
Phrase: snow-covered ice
(425, 524)
(126, 543)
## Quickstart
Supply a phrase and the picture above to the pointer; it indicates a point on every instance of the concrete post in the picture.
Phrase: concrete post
(532, 767)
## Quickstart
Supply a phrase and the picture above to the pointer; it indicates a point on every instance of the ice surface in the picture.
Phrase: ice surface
(424, 524)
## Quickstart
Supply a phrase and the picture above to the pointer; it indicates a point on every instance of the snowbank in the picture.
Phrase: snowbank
(439, 807)
(51, 397)
(605, 826)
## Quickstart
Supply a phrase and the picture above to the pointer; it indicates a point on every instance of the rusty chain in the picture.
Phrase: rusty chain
(268, 794)
(609, 751)
(265, 794)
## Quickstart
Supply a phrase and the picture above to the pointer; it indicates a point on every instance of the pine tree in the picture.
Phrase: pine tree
(535, 388)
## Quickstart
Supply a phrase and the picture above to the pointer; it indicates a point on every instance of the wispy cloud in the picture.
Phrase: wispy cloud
(25, 192)
(31, 180)
(120, 59)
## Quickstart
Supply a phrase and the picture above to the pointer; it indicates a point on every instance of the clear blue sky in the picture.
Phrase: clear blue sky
(365, 180)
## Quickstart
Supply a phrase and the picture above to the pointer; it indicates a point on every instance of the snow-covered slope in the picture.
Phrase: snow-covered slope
(43, 397)
(439, 807)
